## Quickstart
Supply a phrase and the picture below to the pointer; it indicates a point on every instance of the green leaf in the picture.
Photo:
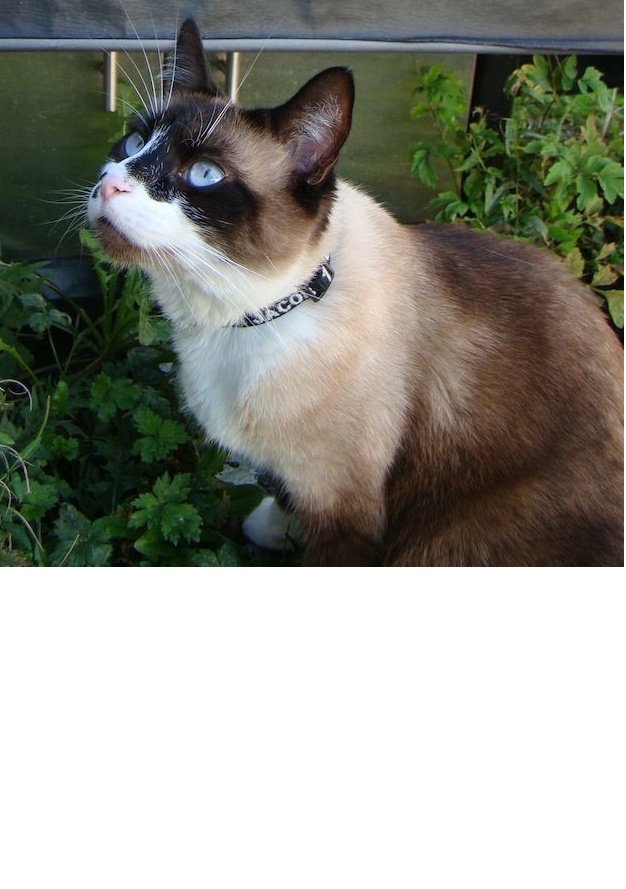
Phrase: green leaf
(564, 233)
(60, 398)
(560, 171)
(33, 445)
(540, 73)
(473, 188)
(5, 347)
(422, 166)
(210, 462)
(575, 262)
(206, 558)
(165, 510)
(611, 180)
(64, 446)
(146, 512)
(171, 490)
(473, 160)
(227, 556)
(111, 526)
(449, 206)
(586, 188)
(538, 226)
(152, 546)
(89, 240)
(420, 110)
(152, 329)
(160, 436)
(180, 520)
(492, 196)
(569, 72)
(604, 277)
(47, 318)
(40, 499)
(80, 544)
(591, 81)
(110, 396)
(615, 302)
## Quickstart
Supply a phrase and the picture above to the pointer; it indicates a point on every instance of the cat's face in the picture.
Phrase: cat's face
(200, 173)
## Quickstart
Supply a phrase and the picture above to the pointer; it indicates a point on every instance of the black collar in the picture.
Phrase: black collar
(313, 289)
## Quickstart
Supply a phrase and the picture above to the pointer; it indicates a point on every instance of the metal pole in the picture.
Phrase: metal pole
(233, 74)
(110, 81)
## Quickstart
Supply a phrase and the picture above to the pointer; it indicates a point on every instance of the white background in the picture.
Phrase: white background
(350, 728)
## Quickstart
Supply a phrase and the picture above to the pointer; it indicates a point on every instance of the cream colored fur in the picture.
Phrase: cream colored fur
(320, 389)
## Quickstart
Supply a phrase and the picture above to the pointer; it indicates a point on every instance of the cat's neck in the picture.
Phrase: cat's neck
(213, 292)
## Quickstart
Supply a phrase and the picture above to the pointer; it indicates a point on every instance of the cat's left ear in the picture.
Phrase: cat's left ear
(315, 123)
(187, 66)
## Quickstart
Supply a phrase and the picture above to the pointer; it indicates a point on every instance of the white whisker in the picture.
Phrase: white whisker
(206, 132)
(75, 213)
(199, 266)
(150, 103)
(174, 60)
(154, 104)
(213, 126)
(159, 63)
(162, 262)
(75, 199)
(145, 103)
(134, 111)
(230, 103)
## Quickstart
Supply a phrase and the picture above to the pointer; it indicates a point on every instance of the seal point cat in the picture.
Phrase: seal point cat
(451, 399)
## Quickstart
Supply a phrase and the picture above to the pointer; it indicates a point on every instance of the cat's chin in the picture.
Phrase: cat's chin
(115, 244)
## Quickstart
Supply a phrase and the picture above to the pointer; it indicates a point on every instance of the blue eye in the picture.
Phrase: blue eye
(133, 143)
(203, 173)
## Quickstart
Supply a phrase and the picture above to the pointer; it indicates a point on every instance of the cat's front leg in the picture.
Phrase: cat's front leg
(272, 527)
(329, 541)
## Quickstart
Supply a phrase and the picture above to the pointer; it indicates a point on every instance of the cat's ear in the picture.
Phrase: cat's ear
(315, 123)
(186, 64)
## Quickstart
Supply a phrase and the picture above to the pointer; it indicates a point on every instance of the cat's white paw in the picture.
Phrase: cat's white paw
(270, 527)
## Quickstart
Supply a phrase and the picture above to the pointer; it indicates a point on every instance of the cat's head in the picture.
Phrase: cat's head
(253, 185)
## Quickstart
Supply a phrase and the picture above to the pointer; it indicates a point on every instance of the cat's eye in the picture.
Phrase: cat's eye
(133, 143)
(203, 173)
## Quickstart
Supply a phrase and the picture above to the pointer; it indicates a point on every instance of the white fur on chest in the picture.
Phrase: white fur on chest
(232, 378)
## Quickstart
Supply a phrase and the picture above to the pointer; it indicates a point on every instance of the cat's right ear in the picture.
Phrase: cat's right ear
(186, 68)
(315, 123)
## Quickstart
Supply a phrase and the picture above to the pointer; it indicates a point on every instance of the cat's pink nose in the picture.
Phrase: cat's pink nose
(112, 185)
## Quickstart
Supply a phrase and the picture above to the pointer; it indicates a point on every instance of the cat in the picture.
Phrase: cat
(426, 395)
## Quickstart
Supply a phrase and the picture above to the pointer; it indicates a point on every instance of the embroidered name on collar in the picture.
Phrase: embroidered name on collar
(313, 289)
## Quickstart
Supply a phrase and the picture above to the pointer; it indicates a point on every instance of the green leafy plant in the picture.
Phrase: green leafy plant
(551, 173)
(16, 531)
(98, 465)
(26, 318)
